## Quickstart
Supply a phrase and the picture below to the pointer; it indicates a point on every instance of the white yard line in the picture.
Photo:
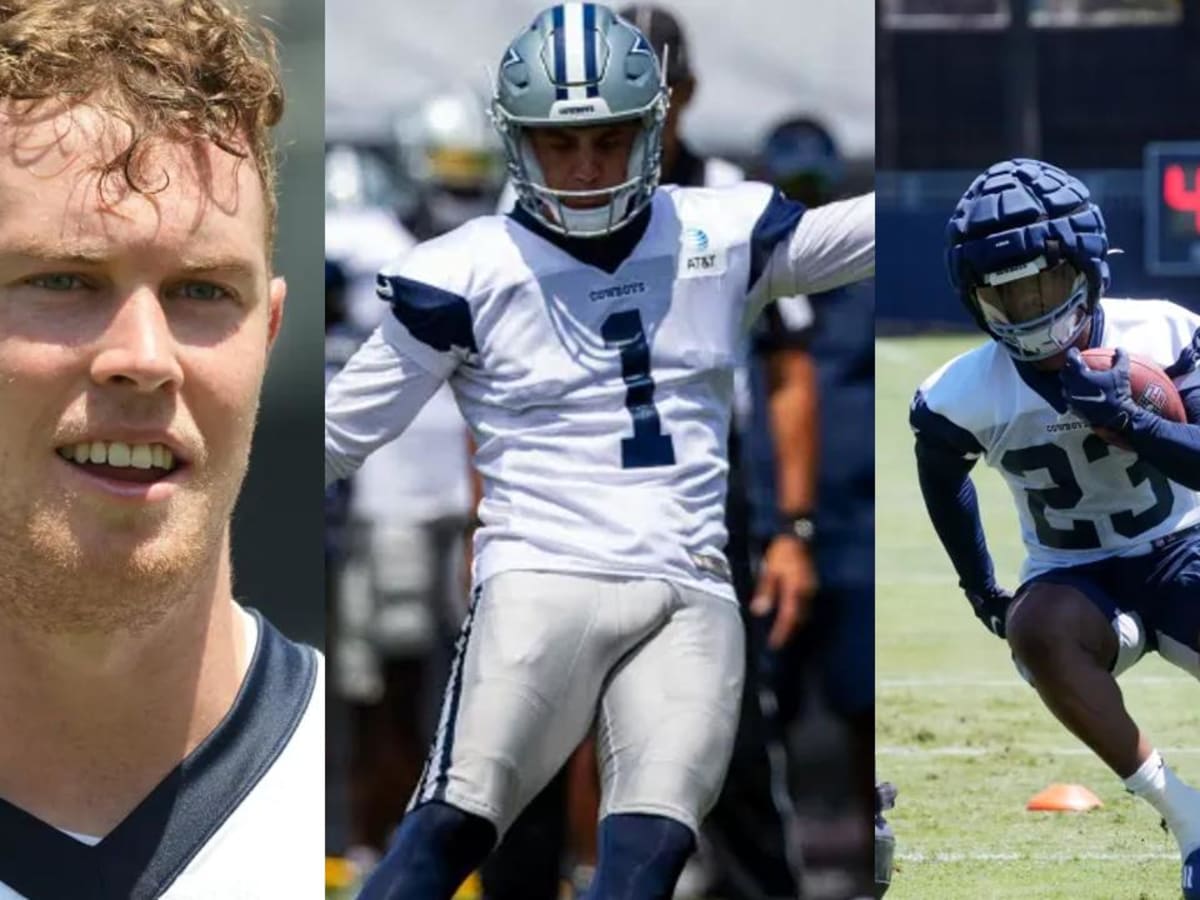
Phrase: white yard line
(953, 680)
(908, 750)
(1086, 856)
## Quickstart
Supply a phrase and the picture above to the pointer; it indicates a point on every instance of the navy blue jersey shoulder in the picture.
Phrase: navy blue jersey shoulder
(142, 857)
(440, 319)
(933, 427)
(774, 225)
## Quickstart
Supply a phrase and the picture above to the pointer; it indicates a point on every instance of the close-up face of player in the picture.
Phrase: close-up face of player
(135, 327)
(1037, 312)
(586, 162)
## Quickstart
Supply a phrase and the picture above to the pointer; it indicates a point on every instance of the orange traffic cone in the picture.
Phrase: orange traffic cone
(1064, 798)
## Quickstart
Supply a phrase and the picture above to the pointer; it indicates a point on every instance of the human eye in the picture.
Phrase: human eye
(57, 282)
(202, 291)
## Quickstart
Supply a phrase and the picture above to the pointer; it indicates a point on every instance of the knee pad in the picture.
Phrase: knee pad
(640, 857)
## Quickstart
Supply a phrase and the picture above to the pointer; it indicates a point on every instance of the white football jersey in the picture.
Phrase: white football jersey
(242, 818)
(599, 403)
(1079, 498)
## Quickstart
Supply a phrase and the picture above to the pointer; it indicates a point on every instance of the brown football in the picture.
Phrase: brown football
(1151, 387)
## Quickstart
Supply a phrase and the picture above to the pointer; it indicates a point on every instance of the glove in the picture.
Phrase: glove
(1102, 399)
(991, 608)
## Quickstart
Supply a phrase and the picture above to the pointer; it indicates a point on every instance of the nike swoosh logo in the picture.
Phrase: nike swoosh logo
(1097, 396)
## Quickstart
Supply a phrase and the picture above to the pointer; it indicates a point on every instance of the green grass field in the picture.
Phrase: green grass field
(964, 739)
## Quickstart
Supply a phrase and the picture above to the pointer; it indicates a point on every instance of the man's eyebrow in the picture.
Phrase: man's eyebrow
(33, 248)
(233, 265)
(70, 254)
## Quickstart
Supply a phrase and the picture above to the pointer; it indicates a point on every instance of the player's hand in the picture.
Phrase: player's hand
(786, 584)
(991, 608)
(1102, 399)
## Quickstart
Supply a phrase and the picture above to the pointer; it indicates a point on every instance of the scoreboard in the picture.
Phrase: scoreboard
(1172, 208)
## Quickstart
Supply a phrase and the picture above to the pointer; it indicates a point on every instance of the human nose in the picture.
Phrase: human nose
(587, 166)
(137, 348)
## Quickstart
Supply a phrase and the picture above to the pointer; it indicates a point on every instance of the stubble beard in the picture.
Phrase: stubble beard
(53, 582)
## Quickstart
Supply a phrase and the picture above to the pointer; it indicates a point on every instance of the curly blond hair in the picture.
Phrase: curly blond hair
(179, 70)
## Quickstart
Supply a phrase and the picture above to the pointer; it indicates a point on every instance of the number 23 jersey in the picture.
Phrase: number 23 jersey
(599, 402)
(1079, 499)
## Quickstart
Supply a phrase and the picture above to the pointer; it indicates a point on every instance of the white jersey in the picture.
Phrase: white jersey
(402, 483)
(1079, 498)
(242, 818)
(599, 403)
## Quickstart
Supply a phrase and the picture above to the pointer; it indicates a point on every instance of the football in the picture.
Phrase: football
(1151, 387)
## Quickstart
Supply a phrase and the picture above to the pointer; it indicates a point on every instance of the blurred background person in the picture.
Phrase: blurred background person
(400, 589)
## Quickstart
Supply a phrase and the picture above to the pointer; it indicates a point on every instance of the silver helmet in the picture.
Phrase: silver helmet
(451, 152)
(579, 64)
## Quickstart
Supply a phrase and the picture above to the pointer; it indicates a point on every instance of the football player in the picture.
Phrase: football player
(157, 739)
(589, 339)
(1112, 536)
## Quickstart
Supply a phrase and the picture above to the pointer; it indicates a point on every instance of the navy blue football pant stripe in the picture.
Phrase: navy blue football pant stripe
(438, 767)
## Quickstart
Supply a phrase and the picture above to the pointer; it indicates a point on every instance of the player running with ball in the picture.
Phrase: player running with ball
(590, 339)
(1112, 535)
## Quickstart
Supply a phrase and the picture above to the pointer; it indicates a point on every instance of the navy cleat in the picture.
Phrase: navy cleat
(1191, 876)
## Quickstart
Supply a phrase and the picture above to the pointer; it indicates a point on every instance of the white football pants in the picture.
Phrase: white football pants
(658, 668)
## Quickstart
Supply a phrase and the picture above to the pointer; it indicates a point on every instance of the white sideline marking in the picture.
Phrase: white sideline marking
(909, 750)
(1088, 856)
(950, 680)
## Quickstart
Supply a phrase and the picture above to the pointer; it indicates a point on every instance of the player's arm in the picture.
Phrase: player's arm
(795, 250)
(946, 454)
(788, 578)
(1104, 399)
(395, 373)
(371, 401)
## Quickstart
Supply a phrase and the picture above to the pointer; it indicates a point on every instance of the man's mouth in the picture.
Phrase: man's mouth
(142, 463)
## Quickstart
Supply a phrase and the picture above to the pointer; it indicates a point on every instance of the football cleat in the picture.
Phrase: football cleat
(885, 841)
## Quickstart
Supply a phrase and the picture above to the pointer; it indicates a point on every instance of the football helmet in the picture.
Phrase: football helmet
(578, 64)
(1026, 251)
(453, 155)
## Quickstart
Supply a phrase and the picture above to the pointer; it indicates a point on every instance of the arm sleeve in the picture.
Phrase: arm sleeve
(373, 399)
(807, 251)
(1171, 447)
(945, 456)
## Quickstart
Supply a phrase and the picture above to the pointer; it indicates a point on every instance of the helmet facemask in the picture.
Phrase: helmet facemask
(623, 201)
(1035, 310)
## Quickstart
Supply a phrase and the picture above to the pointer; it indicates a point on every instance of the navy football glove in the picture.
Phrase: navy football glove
(991, 608)
(1102, 399)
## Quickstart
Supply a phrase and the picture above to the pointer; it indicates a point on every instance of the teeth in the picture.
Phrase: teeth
(120, 455)
(141, 457)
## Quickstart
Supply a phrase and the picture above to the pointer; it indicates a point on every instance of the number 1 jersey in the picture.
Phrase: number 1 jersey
(1079, 499)
(599, 402)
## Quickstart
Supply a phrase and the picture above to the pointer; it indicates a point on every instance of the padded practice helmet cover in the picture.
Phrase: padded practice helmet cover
(1016, 212)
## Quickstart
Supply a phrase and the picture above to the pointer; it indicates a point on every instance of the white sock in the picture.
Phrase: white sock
(1176, 802)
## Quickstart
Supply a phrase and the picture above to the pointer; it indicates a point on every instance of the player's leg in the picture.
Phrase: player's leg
(522, 693)
(665, 734)
(1070, 639)
(1061, 633)
(526, 864)
(1174, 583)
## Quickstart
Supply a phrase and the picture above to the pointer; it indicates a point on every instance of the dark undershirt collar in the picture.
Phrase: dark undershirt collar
(605, 253)
(145, 853)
